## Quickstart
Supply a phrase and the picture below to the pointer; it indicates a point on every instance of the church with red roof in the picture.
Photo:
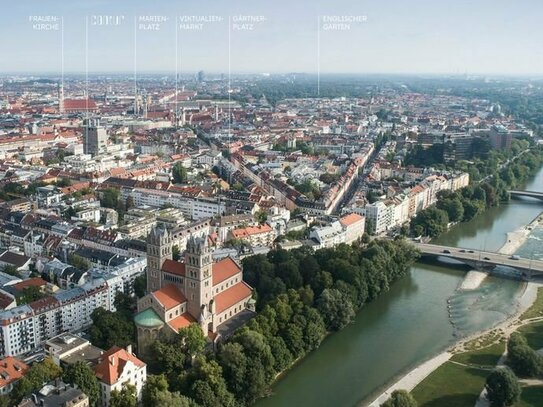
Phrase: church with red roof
(196, 290)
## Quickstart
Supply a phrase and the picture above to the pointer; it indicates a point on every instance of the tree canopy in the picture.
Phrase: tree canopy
(81, 375)
(502, 387)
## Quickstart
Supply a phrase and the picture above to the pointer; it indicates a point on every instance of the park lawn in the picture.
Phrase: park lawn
(451, 385)
(531, 397)
(536, 310)
(485, 357)
(533, 334)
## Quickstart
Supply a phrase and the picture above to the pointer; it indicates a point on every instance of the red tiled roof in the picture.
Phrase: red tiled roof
(79, 104)
(350, 219)
(224, 269)
(112, 364)
(182, 321)
(11, 369)
(31, 282)
(231, 296)
(173, 267)
(5, 300)
(251, 230)
(169, 296)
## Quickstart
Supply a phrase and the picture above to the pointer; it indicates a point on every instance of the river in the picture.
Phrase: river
(421, 315)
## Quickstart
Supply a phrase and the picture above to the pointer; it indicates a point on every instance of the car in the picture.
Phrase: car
(471, 251)
(446, 251)
(462, 251)
(486, 258)
(515, 257)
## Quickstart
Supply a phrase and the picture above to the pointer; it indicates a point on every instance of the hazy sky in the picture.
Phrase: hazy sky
(399, 36)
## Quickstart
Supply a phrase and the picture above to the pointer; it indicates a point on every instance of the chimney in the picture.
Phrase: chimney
(112, 361)
(129, 349)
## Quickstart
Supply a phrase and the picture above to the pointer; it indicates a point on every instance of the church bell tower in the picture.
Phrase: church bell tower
(159, 248)
(198, 280)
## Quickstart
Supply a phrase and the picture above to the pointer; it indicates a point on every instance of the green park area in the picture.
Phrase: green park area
(531, 397)
(458, 382)
(451, 385)
(536, 310)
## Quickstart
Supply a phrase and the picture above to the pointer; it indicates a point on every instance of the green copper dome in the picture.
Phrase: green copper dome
(148, 319)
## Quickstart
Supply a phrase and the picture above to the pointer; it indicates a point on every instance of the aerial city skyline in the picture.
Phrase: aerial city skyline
(269, 204)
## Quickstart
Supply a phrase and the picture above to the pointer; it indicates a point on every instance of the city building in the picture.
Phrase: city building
(11, 370)
(56, 394)
(118, 367)
(95, 138)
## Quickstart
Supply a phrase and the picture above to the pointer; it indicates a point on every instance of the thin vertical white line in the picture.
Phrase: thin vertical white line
(135, 66)
(85, 139)
(176, 71)
(87, 68)
(62, 53)
(229, 77)
(318, 55)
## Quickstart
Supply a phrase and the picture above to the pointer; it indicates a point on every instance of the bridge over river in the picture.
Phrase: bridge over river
(483, 260)
(529, 194)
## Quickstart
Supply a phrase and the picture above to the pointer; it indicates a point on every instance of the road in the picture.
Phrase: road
(481, 258)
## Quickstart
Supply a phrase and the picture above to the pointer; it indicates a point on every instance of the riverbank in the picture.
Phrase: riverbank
(518, 237)
(415, 376)
(514, 240)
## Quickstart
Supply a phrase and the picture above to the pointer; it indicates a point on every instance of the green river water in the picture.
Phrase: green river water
(411, 322)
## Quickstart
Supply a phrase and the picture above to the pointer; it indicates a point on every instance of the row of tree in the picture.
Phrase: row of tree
(301, 295)
(524, 360)
(464, 204)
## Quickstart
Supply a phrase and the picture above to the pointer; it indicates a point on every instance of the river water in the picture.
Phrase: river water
(420, 316)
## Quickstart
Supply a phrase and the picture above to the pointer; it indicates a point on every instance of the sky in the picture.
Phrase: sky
(397, 37)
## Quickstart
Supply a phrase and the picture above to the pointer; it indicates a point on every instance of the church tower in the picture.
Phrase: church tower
(198, 281)
(159, 248)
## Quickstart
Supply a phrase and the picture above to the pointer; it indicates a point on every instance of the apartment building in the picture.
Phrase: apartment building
(262, 235)
(26, 327)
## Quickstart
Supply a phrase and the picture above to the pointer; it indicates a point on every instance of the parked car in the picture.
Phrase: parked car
(446, 251)
(515, 257)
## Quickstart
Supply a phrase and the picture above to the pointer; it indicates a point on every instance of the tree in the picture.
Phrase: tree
(261, 216)
(78, 262)
(140, 285)
(453, 207)
(37, 376)
(522, 358)
(179, 173)
(125, 305)
(167, 398)
(168, 358)
(109, 329)
(154, 385)
(502, 387)
(110, 198)
(176, 254)
(124, 398)
(192, 339)
(81, 374)
(400, 398)
(173, 357)
(29, 294)
(432, 221)
(370, 227)
(336, 309)
(206, 385)
(11, 270)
